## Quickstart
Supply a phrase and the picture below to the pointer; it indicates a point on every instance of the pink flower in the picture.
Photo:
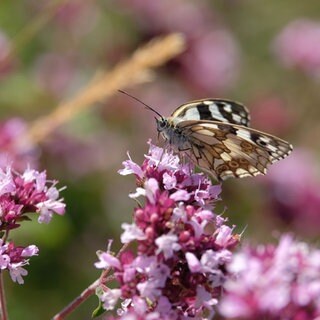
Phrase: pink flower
(298, 46)
(274, 282)
(30, 251)
(182, 246)
(131, 168)
(169, 181)
(224, 236)
(21, 194)
(272, 114)
(6, 182)
(131, 232)
(108, 297)
(16, 146)
(77, 17)
(193, 262)
(107, 260)
(17, 272)
(54, 73)
(167, 244)
(211, 63)
(13, 258)
(293, 188)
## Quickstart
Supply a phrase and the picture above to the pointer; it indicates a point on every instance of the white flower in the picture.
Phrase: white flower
(131, 232)
(6, 182)
(167, 244)
(109, 298)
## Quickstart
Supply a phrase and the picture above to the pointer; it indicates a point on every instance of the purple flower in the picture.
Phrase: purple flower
(6, 182)
(167, 244)
(131, 167)
(274, 282)
(21, 195)
(13, 258)
(182, 245)
(25, 193)
(108, 297)
(107, 260)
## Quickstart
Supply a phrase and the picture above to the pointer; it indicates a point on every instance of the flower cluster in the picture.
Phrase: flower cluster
(274, 282)
(182, 246)
(13, 258)
(20, 195)
(25, 193)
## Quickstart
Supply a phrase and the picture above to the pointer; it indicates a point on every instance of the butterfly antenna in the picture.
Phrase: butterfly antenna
(147, 107)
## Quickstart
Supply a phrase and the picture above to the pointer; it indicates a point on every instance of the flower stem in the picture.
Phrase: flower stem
(3, 304)
(88, 292)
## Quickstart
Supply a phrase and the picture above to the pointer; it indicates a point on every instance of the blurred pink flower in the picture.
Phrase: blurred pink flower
(77, 16)
(15, 147)
(294, 188)
(298, 46)
(100, 150)
(211, 61)
(271, 114)
(54, 72)
(273, 282)
(169, 15)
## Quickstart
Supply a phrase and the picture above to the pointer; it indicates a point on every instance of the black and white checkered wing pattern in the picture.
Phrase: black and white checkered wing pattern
(214, 110)
(227, 150)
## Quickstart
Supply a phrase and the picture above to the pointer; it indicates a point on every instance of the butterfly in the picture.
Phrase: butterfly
(215, 135)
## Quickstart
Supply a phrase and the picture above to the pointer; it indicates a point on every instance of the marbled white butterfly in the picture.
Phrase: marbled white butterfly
(215, 135)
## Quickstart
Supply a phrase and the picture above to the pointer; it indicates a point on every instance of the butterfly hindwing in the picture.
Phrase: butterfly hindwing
(212, 109)
(228, 150)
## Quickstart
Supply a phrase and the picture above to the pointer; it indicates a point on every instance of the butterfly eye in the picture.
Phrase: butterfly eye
(161, 124)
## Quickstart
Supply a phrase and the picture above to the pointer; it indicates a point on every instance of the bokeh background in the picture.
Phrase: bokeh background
(264, 54)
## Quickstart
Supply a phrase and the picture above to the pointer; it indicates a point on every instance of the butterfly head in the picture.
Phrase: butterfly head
(162, 124)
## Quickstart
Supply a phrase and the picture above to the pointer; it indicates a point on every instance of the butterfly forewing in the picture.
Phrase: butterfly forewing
(213, 110)
(228, 150)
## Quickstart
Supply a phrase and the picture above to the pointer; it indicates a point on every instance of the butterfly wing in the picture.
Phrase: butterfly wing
(227, 150)
(212, 109)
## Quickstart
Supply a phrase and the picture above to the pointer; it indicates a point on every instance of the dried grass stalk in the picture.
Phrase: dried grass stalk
(156, 53)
